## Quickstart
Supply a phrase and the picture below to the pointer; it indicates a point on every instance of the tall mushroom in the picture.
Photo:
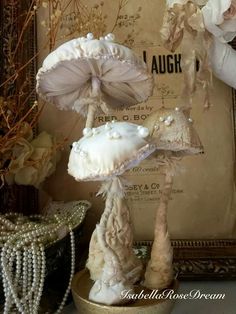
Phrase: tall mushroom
(87, 74)
(173, 134)
(105, 153)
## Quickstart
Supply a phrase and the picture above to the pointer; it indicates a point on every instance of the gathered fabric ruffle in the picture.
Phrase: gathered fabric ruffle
(183, 24)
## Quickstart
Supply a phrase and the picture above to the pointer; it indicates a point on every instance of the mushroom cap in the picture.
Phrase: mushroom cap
(66, 74)
(172, 130)
(108, 151)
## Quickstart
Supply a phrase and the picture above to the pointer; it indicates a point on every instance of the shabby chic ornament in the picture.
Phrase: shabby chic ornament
(110, 151)
(87, 75)
(178, 138)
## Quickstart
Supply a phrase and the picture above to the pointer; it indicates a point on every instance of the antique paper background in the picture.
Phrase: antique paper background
(203, 199)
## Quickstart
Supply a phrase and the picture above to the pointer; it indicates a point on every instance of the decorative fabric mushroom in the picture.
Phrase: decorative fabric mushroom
(87, 74)
(173, 133)
(104, 153)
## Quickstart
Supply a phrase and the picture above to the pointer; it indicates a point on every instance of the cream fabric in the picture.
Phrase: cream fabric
(65, 78)
(33, 161)
(171, 3)
(215, 21)
(183, 24)
(223, 62)
(172, 130)
(108, 150)
(219, 18)
(119, 238)
(113, 244)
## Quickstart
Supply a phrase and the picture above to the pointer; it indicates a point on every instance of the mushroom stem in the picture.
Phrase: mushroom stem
(119, 236)
(91, 116)
(108, 288)
(102, 228)
(159, 272)
(96, 86)
(92, 108)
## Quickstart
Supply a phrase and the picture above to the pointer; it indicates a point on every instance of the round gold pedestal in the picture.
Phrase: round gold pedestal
(82, 284)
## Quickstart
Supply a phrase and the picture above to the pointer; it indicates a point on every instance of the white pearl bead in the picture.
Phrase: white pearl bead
(87, 132)
(83, 154)
(190, 120)
(95, 131)
(90, 36)
(177, 109)
(110, 37)
(167, 123)
(170, 118)
(108, 126)
(116, 135)
(161, 119)
(143, 132)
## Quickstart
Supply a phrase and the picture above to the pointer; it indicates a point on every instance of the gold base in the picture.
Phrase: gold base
(82, 284)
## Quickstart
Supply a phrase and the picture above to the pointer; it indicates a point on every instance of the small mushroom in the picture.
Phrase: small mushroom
(177, 139)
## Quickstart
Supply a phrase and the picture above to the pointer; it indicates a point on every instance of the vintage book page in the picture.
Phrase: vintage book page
(203, 198)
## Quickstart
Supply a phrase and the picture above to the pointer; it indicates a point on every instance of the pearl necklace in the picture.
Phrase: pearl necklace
(23, 261)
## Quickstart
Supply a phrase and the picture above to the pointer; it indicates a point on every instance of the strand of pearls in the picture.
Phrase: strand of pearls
(72, 242)
(23, 261)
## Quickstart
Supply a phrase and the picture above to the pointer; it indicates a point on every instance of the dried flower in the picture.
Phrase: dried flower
(44, 4)
(33, 161)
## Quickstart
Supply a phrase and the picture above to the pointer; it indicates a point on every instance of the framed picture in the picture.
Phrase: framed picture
(202, 216)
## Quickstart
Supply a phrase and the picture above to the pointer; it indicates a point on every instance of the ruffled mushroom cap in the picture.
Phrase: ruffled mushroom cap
(108, 151)
(83, 70)
(172, 130)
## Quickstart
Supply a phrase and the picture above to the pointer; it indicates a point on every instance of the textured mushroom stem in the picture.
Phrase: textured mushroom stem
(102, 229)
(91, 116)
(112, 281)
(159, 272)
(92, 108)
(119, 237)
